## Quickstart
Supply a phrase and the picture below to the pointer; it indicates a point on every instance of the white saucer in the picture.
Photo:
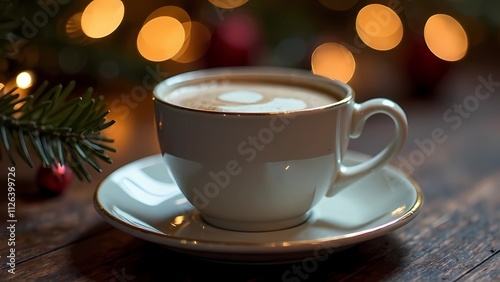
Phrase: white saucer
(141, 200)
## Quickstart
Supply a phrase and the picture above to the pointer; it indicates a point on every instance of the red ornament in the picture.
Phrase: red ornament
(54, 180)
(236, 41)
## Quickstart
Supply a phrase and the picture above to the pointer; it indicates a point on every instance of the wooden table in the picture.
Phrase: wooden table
(453, 152)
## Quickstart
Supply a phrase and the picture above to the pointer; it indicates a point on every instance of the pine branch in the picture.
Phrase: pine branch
(58, 131)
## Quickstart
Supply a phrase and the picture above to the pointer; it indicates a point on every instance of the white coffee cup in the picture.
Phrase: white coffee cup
(254, 165)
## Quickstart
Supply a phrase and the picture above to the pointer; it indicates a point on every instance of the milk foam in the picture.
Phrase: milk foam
(247, 101)
(240, 96)
(248, 97)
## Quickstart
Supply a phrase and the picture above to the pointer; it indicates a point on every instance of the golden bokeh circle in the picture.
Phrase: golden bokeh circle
(334, 61)
(379, 27)
(101, 17)
(445, 37)
(160, 39)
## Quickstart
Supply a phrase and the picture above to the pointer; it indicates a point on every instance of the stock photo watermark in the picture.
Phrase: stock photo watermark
(381, 20)
(302, 271)
(454, 117)
(11, 220)
(229, 6)
(121, 276)
(31, 27)
(248, 149)
(221, 11)
(139, 93)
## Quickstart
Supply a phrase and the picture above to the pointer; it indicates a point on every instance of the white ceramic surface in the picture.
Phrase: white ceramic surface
(237, 168)
(141, 199)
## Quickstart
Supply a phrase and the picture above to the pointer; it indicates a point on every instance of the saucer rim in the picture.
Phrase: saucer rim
(203, 245)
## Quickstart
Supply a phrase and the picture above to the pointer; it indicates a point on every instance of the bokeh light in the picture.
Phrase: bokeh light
(73, 30)
(445, 37)
(24, 79)
(195, 45)
(101, 17)
(170, 11)
(1, 87)
(339, 5)
(160, 38)
(73, 26)
(177, 13)
(334, 61)
(379, 27)
(228, 4)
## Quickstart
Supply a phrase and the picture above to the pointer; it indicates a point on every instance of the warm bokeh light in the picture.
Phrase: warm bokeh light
(228, 4)
(101, 17)
(160, 39)
(73, 30)
(334, 61)
(379, 27)
(1, 86)
(196, 43)
(73, 26)
(173, 12)
(445, 37)
(24, 80)
(170, 11)
(339, 5)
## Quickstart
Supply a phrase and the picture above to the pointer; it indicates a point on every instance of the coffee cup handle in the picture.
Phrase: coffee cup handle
(362, 111)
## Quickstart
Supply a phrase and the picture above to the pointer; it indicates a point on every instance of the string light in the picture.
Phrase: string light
(24, 80)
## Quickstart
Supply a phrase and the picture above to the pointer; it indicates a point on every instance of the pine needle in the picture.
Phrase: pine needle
(60, 132)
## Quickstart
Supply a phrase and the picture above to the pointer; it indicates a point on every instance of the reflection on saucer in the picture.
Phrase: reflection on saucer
(138, 185)
(140, 200)
(130, 219)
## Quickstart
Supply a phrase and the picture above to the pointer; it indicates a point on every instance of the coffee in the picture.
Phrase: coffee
(248, 171)
(248, 97)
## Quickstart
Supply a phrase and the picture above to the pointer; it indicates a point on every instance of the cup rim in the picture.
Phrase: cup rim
(281, 74)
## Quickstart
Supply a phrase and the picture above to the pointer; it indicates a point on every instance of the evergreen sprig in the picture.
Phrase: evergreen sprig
(61, 132)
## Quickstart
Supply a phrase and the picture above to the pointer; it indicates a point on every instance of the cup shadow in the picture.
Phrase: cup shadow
(327, 267)
(122, 257)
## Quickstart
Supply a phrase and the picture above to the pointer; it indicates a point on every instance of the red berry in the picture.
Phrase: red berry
(54, 180)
